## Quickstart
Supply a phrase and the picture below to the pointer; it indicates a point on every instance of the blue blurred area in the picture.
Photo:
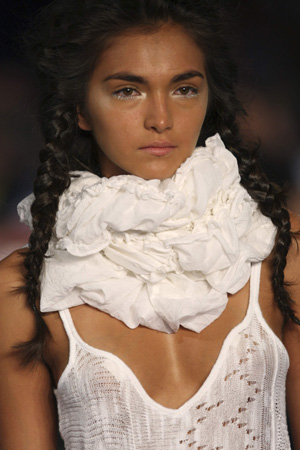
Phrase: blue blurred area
(268, 38)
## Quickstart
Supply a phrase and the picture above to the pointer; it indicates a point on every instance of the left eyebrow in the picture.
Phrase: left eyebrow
(126, 76)
(187, 75)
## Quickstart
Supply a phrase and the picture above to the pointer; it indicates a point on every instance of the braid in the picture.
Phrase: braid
(68, 39)
(52, 179)
(271, 200)
(222, 118)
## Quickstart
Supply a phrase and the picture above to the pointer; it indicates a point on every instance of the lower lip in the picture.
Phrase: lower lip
(157, 151)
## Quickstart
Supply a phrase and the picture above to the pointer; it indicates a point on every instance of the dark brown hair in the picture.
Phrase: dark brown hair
(68, 40)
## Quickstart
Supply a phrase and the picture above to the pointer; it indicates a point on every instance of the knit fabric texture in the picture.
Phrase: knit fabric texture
(240, 406)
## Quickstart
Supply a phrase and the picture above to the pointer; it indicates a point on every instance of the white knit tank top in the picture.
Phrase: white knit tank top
(240, 406)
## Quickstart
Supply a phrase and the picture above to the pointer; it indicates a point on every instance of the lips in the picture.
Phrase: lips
(158, 148)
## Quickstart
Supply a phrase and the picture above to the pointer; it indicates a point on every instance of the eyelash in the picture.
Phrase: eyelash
(193, 92)
(124, 97)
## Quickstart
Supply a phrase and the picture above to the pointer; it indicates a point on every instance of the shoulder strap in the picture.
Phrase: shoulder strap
(70, 328)
(254, 284)
(65, 318)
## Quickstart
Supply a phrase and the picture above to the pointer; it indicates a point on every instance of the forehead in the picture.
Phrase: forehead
(168, 49)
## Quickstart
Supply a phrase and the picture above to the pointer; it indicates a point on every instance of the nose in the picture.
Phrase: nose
(158, 116)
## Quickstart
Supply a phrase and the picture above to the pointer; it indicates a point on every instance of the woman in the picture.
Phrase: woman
(139, 298)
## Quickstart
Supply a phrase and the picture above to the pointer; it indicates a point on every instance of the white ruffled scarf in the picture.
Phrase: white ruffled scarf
(162, 254)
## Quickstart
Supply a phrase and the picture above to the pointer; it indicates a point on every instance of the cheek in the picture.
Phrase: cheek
(113, 121)
(191, 124)
(116, 133)
(193, 116)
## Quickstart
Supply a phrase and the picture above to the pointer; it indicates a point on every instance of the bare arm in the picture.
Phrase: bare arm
(292, 343)
(27, 408)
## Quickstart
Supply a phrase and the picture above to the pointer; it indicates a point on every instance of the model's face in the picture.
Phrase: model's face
(146, 103)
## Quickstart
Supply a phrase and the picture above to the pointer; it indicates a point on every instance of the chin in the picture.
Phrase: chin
(161, 171)
(157, 174)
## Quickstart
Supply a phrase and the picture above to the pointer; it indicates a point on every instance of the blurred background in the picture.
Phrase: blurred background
(267, 34)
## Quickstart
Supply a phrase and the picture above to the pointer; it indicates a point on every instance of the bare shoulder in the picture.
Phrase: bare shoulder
(292, 270)
(25, 392)
(291, 336)
(295, 228)
(16, 318)
(12, 268)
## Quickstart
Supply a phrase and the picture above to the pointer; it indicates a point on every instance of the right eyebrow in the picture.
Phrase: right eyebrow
(125, 76)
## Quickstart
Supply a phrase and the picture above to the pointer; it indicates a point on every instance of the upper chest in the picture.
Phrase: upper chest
(170, 367)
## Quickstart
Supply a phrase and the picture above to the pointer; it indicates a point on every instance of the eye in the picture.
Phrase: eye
(186, 91)
(126, 93)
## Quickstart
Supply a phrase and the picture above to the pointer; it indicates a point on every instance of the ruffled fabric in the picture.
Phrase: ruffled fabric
(162, 254)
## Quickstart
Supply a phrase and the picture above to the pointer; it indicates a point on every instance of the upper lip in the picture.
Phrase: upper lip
(159, 144)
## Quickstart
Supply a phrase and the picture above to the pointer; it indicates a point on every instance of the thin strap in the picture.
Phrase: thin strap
(65, 318)
(72, 332)
(254, 299)
(70, 328)
(254, 284)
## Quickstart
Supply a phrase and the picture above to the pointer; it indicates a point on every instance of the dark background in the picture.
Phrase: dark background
(267, 37)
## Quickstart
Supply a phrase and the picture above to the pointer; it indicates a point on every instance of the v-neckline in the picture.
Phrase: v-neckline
(134, 379)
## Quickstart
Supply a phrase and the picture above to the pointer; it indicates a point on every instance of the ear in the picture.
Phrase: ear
(82, 121)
